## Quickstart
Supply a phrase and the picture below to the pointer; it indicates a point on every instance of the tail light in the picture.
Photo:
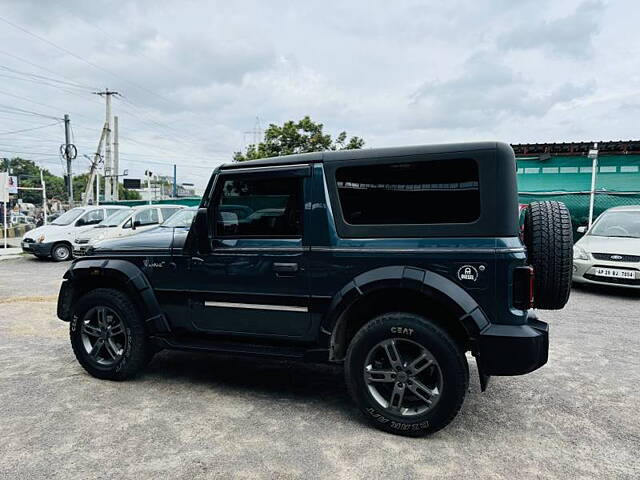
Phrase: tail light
(523, 287)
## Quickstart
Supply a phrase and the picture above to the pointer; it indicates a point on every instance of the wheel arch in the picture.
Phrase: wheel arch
(401, 288)
(88, 274)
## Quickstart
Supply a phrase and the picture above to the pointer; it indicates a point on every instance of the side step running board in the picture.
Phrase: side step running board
(193, 344)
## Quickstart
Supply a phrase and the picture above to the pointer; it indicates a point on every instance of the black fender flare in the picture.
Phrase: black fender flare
(426, 282)
(123, 272)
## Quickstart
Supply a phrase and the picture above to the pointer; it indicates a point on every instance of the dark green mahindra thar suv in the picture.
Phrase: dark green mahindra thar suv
(393, 262)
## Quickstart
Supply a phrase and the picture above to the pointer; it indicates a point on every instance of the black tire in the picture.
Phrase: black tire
(61, 252)
(412, 329)
(136, 351)
(548, 236)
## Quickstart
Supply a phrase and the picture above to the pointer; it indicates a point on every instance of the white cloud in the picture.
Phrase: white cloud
(197, 73)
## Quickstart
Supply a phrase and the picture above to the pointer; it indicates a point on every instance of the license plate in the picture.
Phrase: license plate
(25, 245)
(615, 273)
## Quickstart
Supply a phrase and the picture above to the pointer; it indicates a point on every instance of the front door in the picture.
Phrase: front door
(255, 280)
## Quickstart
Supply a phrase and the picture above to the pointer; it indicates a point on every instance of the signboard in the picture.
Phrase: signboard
(131, 183)
(13, 185)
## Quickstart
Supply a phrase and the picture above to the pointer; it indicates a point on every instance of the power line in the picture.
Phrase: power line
(45, 78)
(26, 112)
(155, 162)
(28, 153)
(84, 60)
(71, 92)
(19, 97)
(33, 64)
(157, 123)
(29, 129)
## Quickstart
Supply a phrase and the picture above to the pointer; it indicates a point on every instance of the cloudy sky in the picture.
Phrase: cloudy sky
(196, 78)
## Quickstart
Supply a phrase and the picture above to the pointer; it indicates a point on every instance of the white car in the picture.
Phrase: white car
(609, 253)
(122, 224)
(55, 239)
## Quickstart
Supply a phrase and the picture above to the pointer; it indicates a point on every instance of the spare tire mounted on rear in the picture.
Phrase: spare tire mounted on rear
(548, 236)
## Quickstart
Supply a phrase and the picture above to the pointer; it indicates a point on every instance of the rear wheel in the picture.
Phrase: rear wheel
(548, 236)
(61, 252)
(108, 335)
(406, 374)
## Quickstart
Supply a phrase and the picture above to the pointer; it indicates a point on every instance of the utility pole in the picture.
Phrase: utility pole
(116, 159)
(69, 154)
(175, 182)
(44, 198)
(148, 174)
(108, 191)
(93, 173)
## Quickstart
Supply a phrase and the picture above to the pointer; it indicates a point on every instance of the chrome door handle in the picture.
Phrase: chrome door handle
(285, 267)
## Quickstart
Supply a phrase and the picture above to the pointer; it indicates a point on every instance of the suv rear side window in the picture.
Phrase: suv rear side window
(270, 207)
(93, 217)
(168, 211)
(430, 192)
(147, 217)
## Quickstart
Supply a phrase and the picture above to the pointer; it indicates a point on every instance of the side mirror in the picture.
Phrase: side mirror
(582, 229)
(136, 224)
(80, 222)
(201, 226)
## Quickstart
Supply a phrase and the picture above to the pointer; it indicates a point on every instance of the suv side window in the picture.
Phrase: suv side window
(267, 207)
(420, 193)
(147, 217)
(93, 217)
(167, 212)
(111, 211)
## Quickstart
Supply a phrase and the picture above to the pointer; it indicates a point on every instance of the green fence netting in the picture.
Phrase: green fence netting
(578, 203)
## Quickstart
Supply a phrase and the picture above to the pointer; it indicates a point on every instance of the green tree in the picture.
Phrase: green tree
(28, 174)
(297, 137)
(80, 184)
(126, 194)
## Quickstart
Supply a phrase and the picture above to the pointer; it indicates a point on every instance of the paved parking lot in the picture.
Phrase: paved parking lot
(202, 416)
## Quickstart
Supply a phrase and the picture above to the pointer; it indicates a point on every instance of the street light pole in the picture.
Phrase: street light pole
(44, 198)
(593, 154)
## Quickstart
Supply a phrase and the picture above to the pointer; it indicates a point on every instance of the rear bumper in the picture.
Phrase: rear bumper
(513, 349)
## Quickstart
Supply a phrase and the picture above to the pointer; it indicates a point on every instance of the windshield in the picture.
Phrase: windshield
(617, 224)
(180, 219)
(68, 217)
(115, 219)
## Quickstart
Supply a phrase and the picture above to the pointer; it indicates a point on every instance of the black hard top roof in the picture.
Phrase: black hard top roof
(368, 153)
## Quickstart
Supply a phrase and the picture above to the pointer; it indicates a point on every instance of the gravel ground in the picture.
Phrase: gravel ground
(199, 416)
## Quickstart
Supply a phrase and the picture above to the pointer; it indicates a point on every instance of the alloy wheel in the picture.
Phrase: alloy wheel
(103, 336)
(403, 377)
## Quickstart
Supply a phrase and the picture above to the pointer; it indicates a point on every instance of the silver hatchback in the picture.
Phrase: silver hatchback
(609, 252)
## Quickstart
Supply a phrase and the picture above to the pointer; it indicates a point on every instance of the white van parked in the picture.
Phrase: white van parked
(55, 239)
(122, 224)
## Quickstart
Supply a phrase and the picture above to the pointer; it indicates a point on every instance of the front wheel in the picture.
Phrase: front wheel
(406, 374)
(61, 252)
(108, 335)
